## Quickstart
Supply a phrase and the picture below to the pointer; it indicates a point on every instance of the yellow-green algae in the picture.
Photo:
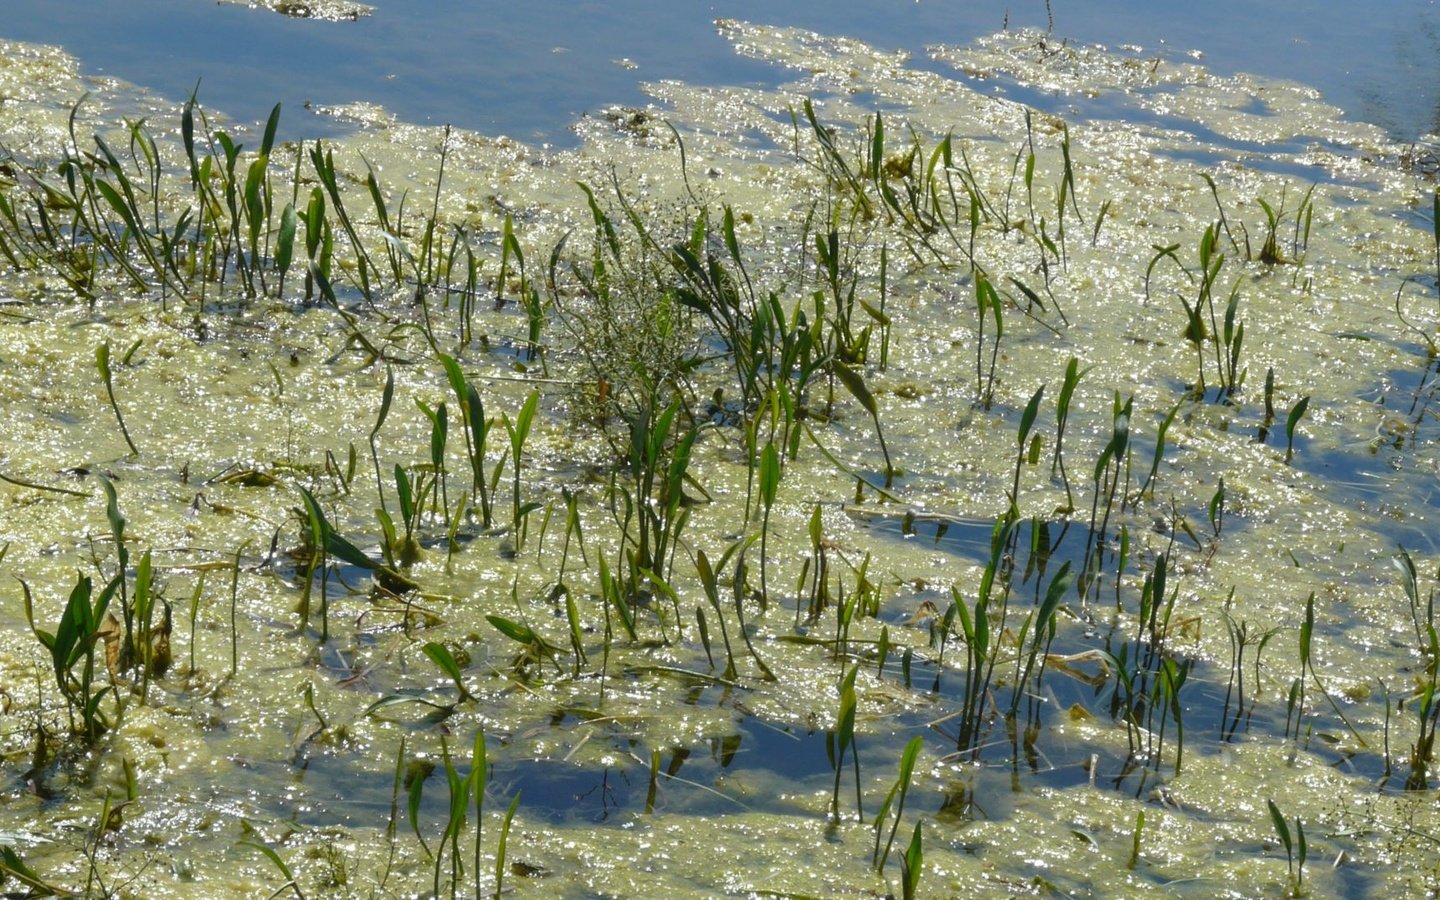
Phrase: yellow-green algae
(325, 10)
(266, 387)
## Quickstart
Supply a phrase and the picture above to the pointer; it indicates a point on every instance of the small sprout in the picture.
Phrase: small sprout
(102, 362)
(441, 656)
(1291, 421)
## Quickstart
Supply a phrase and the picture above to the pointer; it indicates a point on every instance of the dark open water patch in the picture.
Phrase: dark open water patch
(488, 67)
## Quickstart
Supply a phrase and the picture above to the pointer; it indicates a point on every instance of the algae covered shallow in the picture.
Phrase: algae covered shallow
(787, 465)
(326, 10)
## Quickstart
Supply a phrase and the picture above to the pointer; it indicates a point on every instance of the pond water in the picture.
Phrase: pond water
(485, 66)
(1064, 479)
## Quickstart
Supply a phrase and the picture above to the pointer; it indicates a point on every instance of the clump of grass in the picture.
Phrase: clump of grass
(627, 321)
(978, 629)
(73, 644)
(1271, 252)
(1235, 694)
(320, 542)
(1227, 342)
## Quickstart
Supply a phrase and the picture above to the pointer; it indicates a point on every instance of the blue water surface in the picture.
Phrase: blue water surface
(531, 69)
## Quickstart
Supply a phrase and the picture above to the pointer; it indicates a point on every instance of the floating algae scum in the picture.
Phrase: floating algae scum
(891, 487)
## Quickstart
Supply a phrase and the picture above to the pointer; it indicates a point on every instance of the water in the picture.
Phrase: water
(482, 65)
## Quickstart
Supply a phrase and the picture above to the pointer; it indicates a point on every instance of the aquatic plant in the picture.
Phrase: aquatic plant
(1295, 847)
(978, 628)
(1145, 490)
(1270, 251)
(1135, 840)
(816, 571)
(769, 483)
(403, 551)
(460, 792)
(503, 845)
(150, 648)
(862, 601)
(1427, 714)
(1073, 374)
(658, 468)
(841, 740)
(913, 863)
(479, 779)
(1170, 252)
(323, 164)
(1235, 695)
(1165, 696)
(86, 178)
(318, 532)
(987, 302)
(445, 661)
(73, 643)
(13, 866)
(846, 347)
(276, 860)
(1308, 674)
(709, 582)
(534, 648)
(1227, 342)
(1215, 512)
(739, 587)
(1112, 464)
(463, 790)
(1040, 626)
(896, 798)
(476, 431)
(320, 542)
(102, 363)
(519, 432)
(1027, 422)
(723, 292)
(1292, 421)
